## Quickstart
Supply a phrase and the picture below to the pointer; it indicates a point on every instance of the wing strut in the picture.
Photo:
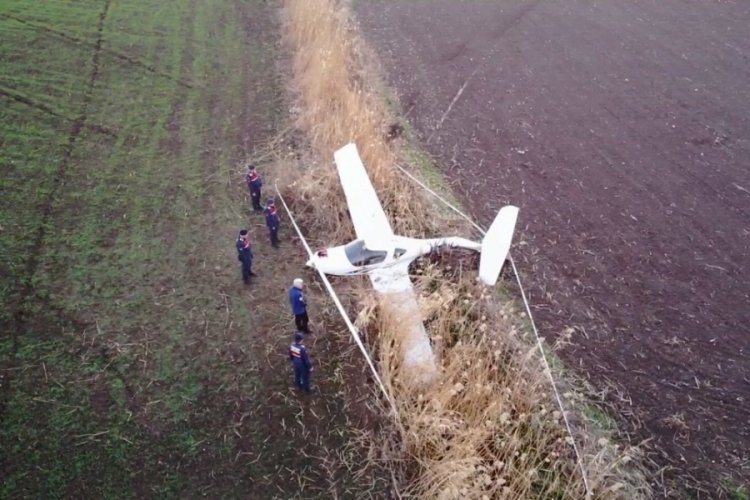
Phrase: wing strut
(352, 329)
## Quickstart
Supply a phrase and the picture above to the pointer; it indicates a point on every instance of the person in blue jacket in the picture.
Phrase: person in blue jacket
(299, 306)
(272, 222)
(254, 183)
(301, 362)
(245, 255)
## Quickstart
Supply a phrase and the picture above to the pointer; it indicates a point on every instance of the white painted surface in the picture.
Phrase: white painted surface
(496, 244)
(368, 217)
(398, 300)
(390, 277)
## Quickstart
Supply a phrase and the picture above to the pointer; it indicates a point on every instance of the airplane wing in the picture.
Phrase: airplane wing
(368, 217)
(399, 299)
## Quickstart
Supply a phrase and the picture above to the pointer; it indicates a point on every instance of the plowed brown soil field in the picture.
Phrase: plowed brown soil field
(622, 130)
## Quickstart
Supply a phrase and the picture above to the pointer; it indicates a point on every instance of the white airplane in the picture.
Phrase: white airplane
(384, 256)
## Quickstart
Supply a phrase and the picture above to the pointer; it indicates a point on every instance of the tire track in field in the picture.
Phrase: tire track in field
(119, 55)
(174, 123)
(25, 287)
(22, 99)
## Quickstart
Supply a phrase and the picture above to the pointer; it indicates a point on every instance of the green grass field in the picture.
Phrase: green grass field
(132, 361)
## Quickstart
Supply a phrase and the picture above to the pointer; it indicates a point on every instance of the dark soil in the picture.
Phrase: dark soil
(622, 130)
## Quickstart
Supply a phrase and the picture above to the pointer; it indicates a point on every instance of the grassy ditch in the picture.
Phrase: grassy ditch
(490, 428)
(132, 361)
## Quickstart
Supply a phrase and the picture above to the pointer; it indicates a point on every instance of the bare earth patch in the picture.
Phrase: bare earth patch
(621, 130)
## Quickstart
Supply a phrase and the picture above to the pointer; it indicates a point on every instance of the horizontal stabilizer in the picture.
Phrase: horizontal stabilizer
(496, 244)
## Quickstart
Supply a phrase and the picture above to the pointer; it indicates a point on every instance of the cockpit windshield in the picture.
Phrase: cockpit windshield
(359, 256)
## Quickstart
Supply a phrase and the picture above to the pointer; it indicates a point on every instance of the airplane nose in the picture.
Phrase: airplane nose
(310, 263)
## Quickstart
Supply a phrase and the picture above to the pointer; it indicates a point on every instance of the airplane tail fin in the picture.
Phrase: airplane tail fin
(496, 244)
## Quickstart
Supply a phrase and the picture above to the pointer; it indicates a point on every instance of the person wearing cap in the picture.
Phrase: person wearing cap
(245, 255)
(299, 306)
(272, 222)
(254, 183)
(301, 362)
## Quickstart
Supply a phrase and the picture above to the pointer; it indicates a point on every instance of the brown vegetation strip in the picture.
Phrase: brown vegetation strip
(487, 428)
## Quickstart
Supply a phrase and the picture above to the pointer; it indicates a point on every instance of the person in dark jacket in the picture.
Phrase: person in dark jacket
(245, 255)
(301, 362)
(272, 222)
(254, 183)
(299, 306)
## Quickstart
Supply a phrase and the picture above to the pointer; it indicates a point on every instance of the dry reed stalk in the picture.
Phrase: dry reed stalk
(489, 428)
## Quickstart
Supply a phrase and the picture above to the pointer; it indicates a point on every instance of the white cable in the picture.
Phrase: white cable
(352, 329)
(533, 326)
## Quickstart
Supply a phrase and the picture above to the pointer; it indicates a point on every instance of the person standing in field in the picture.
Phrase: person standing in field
(301, 362)
(299, 306)
(272, 222)
(245, 255)
(254, 183)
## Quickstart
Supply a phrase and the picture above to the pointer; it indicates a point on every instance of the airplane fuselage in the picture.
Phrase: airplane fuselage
(361, 257)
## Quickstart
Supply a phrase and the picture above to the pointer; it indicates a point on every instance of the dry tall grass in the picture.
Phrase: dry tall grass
(338, 109)
(490, 428)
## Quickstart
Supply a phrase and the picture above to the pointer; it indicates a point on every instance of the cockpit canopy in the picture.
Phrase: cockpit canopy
(359, 255)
